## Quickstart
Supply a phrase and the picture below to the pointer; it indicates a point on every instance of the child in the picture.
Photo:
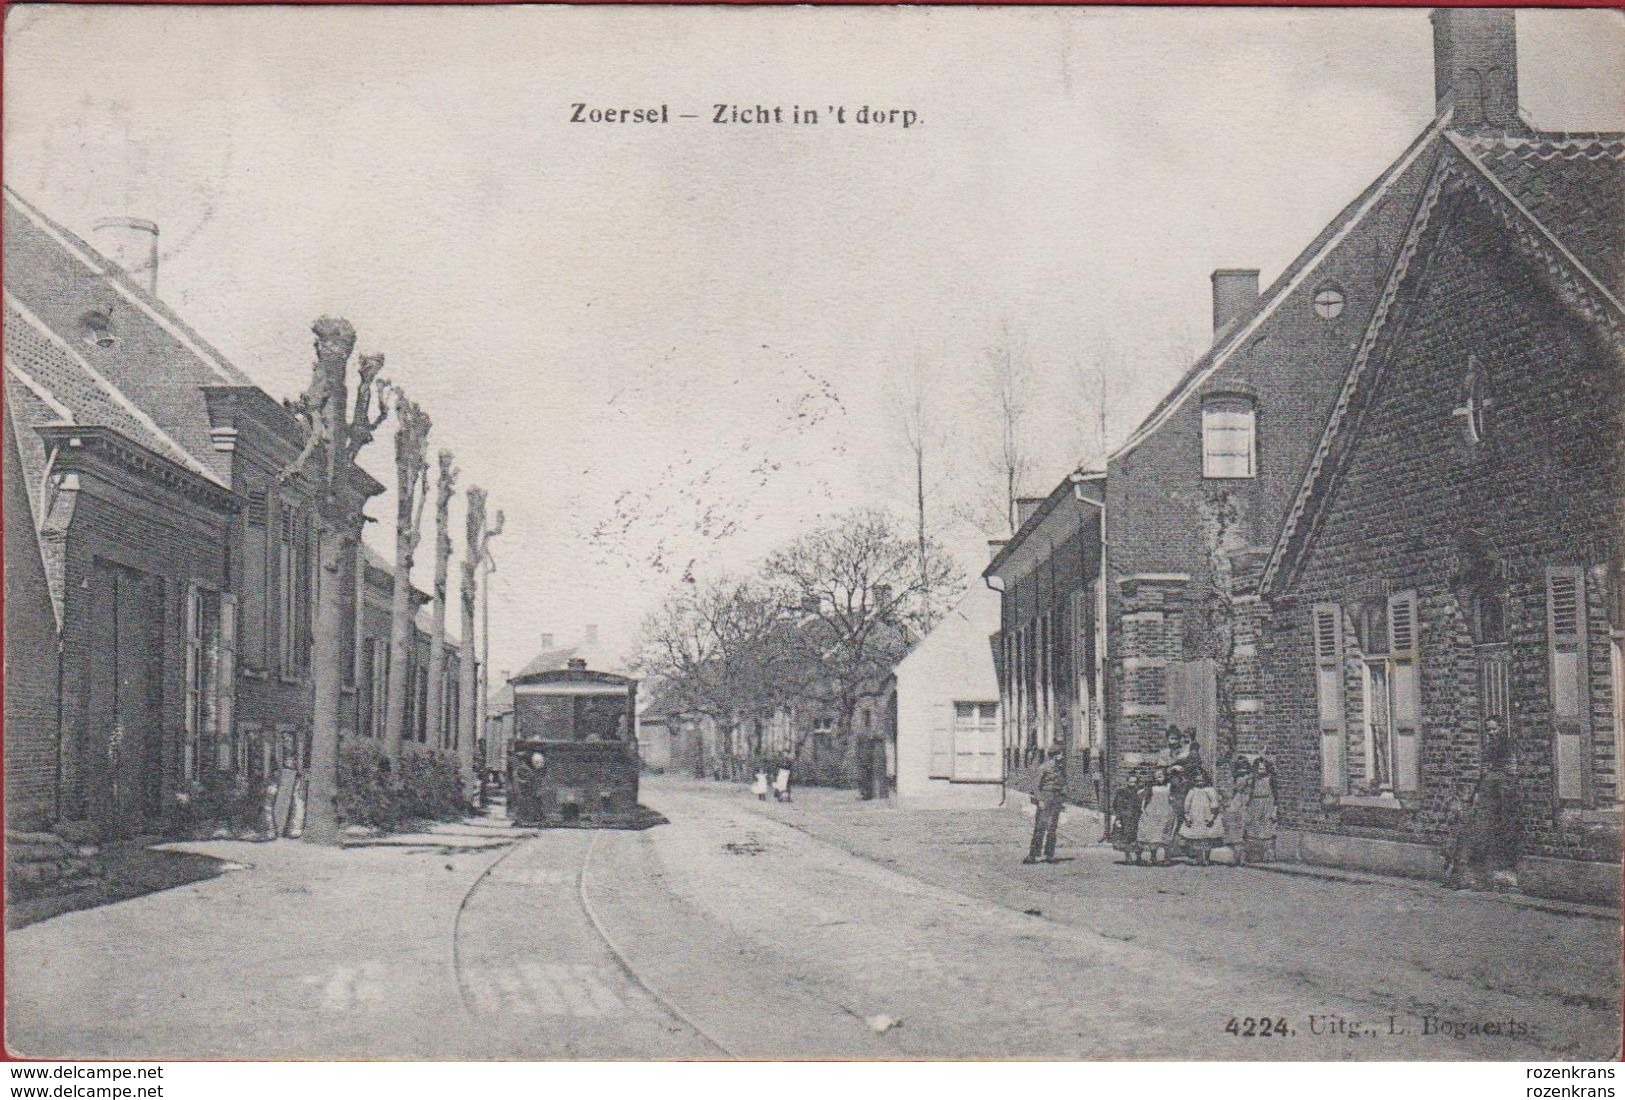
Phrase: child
(1235, 810)
(1455, 835)
(1125, 830)
(1261, 812)
(1156, 826)
(759, 787)
(1201, 826)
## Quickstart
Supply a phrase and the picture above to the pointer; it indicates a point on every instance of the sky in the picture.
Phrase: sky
(667, 349)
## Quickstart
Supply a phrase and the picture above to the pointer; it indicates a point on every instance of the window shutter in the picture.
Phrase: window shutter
(255, 584)
(1327, 625)
(194, 656)
(1566, 633)
(1407, 703)
(992, 760)
(942, 743)
(226, 679)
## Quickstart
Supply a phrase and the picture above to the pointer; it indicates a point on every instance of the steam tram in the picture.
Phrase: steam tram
(574, 758)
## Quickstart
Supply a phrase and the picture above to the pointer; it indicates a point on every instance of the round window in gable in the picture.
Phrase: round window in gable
(97, 329)
(1329, 302)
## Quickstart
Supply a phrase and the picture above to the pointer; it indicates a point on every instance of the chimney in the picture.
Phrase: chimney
(1475, 66)
(577, 664)
(1234, 289)
(547, 642)
(506, 675)
(1025, 507)
(994, 546)
(592, 634)
(132, 244)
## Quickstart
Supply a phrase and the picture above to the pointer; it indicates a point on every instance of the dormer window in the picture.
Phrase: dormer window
(96, 328)
(1229, 436)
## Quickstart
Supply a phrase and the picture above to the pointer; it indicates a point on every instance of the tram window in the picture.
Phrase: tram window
(598, 717)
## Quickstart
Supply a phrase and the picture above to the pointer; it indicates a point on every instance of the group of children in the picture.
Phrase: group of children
(1179, 807)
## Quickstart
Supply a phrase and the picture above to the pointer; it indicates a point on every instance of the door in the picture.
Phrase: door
(1494, 698)
(124, 730)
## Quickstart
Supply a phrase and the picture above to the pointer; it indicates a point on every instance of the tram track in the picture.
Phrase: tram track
(594, 920)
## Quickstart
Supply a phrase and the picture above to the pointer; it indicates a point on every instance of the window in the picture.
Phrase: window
(211, 664)
(1329, 302)
(1228, 437)
(976, 743)
(1566, 649)
(1390, 696)
(255, 574)
(287, 590)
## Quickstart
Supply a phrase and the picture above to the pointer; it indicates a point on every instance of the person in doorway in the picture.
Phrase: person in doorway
(1156, 830)
(1490, 833)
(1260, 835)
(1047, 799)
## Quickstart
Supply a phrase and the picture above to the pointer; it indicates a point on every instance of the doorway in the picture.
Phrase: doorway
(123, 748)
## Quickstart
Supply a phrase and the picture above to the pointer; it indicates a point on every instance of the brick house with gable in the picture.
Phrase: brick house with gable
(179, 569)
(1447, 581)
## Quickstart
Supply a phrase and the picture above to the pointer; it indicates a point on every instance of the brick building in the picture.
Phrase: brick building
(1449, 573)
(179, 569)
(1049, 660)
(372, 667)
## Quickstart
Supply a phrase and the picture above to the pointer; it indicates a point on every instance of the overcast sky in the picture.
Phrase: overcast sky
(665, 345)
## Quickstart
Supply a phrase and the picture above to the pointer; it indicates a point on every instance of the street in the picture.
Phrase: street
(822, 928)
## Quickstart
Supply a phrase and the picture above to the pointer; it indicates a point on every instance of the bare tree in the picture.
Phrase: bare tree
(335, 433)
(411, 492)
(476, 553)
(857, 587)
(722, 648)
(445, 487)
(916, 421)
(1094, 395)
(1006, 452)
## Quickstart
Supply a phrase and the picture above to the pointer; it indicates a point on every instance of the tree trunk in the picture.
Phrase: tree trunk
(402, 629)
(439, 736)
(327, 681)
(469, 674)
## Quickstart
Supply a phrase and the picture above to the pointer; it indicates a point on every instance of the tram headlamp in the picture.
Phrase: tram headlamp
(537, 760)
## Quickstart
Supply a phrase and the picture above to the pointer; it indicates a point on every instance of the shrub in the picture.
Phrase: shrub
(421, 786)
(226, 800)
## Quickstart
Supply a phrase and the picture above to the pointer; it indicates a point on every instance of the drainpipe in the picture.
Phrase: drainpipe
(1004, 778)
(1100, 649)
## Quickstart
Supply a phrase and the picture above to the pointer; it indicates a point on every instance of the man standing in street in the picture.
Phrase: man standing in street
(1051, 781)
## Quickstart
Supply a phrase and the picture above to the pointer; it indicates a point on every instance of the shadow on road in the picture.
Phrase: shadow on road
(127, 871)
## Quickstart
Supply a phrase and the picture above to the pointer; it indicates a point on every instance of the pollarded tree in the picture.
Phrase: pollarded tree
(335, 434)
(445, 488)
(411, 492)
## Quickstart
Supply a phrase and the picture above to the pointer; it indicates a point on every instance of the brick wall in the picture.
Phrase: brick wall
(31, 661)
(1542, 490)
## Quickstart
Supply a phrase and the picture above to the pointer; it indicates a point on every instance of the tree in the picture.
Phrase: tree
(411, 492)
(916, 423)
(858, 589)
(334, 435)
(476, 552)
(723, 651)
(1005, 453)
(1094, 393)
(445, 487)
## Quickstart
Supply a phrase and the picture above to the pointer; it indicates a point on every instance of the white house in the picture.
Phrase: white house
(949, 745)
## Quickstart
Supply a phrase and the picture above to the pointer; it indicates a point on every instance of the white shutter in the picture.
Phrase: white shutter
(992, 760)
(194, 658)
(1326, 623)
(1406, 688)
(942, 741)
(1565, 632)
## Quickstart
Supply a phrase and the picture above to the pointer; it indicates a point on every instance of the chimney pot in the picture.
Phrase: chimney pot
(1234, 290)
(1475, 66)
(1025, 507)
(132, 244)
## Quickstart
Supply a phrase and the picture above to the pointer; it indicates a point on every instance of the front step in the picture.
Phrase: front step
(42, 864)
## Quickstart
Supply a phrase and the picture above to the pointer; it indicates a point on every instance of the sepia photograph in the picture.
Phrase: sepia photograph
(549, 533)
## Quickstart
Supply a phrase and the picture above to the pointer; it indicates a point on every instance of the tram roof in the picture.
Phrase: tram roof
(573, 678)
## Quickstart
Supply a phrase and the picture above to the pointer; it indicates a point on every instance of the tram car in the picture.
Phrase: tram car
(574, 758)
